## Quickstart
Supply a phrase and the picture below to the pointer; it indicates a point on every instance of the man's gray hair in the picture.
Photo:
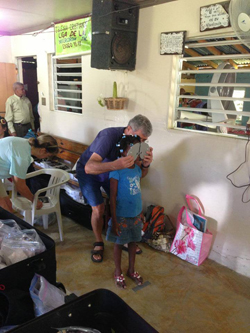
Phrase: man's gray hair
(142, 123)
(16, 85)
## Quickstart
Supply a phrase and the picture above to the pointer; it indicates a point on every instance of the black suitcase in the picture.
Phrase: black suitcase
(76, 211)
(100, 309)
(19, 275)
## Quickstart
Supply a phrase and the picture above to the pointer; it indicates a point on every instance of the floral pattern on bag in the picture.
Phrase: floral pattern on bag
(190, 243)
(187, 241)
(180, 246)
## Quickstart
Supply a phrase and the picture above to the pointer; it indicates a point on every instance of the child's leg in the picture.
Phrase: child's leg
(135, 276)
(119, 278)
(131, 255)
(118, 259)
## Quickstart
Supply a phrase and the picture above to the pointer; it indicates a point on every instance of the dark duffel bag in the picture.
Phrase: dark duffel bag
(76, 211)
(100, 309)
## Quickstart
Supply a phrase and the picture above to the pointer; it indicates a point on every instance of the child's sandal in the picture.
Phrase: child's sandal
(120, 281)
(136, 278)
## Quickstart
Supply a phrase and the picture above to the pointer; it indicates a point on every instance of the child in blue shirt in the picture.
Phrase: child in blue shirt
(125, 224)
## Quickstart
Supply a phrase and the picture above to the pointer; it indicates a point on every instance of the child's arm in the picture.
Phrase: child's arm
(113, 195)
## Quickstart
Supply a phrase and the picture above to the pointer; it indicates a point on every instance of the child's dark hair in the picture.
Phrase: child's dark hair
(126, 140)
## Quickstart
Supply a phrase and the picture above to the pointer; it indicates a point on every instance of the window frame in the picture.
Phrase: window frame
(179, 110)
(55, 82)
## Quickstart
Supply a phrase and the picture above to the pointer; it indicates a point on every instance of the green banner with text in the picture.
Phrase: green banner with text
(73, 36)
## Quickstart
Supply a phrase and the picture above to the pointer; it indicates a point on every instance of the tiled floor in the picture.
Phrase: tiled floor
(179, 297)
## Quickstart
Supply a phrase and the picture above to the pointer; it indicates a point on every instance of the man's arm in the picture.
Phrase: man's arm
(23, 189)
(94, 166)
(9, 116)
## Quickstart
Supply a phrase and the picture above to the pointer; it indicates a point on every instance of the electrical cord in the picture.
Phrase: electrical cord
(242, 198)
(245, 161)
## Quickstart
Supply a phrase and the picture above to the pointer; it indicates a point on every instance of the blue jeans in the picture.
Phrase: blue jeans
(91, 188)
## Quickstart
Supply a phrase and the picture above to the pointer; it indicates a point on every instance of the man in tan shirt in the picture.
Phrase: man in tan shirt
(19, 113)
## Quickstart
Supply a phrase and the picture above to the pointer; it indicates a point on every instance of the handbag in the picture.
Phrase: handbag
(191, 244)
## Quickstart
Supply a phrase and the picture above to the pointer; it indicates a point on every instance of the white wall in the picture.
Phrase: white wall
(183, 162)
(5, 47)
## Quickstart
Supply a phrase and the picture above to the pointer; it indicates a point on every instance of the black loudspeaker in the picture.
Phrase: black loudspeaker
(114, 35)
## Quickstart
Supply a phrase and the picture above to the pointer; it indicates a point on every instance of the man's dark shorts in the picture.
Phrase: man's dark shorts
(91, 188)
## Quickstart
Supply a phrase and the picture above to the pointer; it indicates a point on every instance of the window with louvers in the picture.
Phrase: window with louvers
(213, 87)
(67, 78)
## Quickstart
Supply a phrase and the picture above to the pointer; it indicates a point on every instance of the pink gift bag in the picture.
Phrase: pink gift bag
(192, 240)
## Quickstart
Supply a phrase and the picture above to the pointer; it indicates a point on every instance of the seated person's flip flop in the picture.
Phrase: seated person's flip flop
(138, 250)
(97, 252)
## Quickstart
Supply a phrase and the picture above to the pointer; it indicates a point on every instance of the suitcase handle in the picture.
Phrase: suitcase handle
(37, 265)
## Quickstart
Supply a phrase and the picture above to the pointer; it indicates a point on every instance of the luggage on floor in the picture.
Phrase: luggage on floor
(20, 274)
(100, 309)
(76, 211)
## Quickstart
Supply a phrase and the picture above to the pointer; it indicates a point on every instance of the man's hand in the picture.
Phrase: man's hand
(13, 134)
(124, 162)
(148, 158)
(94, 166)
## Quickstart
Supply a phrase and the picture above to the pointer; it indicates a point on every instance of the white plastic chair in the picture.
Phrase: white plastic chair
(28, 209)
(7, 184)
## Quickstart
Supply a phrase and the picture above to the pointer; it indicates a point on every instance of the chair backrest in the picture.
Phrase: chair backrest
(58, 176)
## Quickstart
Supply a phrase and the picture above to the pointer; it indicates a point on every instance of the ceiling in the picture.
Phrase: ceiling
(23, 16)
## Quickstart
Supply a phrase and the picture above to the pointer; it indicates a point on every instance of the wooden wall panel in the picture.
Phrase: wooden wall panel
(8, 76)
(3, 87)
(11, 76)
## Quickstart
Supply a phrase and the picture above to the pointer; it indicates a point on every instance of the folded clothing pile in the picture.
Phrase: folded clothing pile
(47, 164)
(74, 192)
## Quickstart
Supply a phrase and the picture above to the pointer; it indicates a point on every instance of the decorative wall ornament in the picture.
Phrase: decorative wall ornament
(214, 16)
(172, 42)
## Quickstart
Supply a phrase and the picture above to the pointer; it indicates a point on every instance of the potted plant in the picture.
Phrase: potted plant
(115, 103)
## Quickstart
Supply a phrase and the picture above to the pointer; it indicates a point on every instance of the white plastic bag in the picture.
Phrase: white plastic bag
(21, 245)
(45, 296)
(7, 228)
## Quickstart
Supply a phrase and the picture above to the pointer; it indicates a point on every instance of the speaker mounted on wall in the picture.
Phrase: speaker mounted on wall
(114, 35)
